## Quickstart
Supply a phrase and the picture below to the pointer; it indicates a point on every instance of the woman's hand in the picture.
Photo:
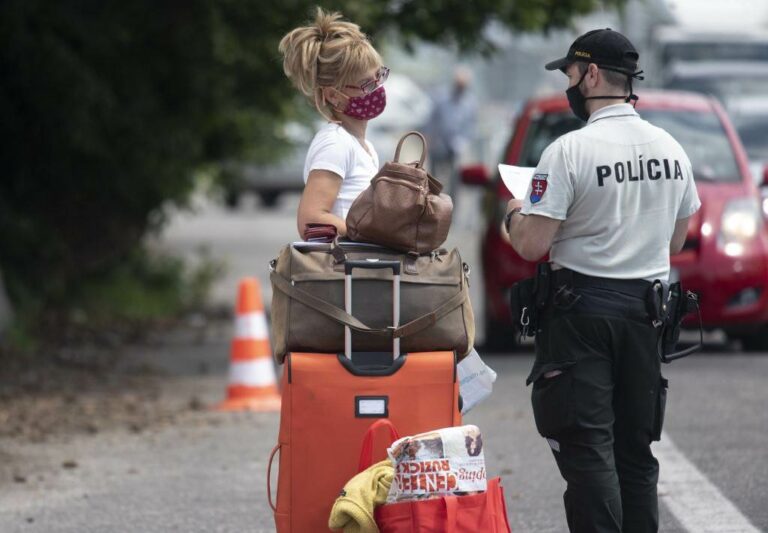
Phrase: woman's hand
(317, 200)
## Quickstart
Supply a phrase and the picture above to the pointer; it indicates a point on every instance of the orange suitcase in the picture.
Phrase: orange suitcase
(330, 400)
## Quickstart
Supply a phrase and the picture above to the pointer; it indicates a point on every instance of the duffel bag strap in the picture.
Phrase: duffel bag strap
(323, 307)
(430, 319)
(341, 316)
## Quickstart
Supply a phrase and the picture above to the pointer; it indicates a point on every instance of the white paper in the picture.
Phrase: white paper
(476, 380)
(516, 179)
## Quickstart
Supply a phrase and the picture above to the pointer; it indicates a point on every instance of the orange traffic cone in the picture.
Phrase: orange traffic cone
(252, 381)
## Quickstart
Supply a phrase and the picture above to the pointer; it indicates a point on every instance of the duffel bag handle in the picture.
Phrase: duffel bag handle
(366, 451)
(423, 147)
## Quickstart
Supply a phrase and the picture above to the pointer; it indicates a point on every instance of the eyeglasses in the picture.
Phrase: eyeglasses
(371, 85)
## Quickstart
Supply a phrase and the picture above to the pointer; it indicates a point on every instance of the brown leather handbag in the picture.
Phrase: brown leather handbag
(403, 208)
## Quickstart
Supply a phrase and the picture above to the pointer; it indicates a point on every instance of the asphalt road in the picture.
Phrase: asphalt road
(206, 472)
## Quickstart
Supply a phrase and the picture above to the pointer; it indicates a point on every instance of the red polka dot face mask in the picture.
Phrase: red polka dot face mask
(367, 106)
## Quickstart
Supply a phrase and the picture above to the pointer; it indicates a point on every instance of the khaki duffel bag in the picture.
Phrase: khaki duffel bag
(308, 301)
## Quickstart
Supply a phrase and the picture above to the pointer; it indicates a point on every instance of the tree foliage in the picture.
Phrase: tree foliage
(108, 107)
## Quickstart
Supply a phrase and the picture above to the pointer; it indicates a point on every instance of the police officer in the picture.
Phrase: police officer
(609, 202)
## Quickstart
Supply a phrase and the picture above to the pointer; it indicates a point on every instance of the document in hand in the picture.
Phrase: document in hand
(516, 179)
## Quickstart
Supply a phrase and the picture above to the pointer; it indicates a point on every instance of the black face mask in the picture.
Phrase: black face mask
(578, 102)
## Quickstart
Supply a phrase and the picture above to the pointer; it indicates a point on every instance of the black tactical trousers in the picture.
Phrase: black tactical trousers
(598, 397)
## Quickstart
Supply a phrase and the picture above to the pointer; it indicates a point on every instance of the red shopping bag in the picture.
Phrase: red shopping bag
(484, 512)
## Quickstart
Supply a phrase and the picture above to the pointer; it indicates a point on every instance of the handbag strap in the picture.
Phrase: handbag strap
(342, 317)
(451, 509)
(494, 485)
(435, 187)
(423, 147)
(366, 451)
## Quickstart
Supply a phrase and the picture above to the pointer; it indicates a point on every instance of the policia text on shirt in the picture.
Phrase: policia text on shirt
(609, 203)
(653, 169)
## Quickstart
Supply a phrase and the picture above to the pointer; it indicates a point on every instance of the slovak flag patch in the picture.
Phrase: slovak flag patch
(538, 187)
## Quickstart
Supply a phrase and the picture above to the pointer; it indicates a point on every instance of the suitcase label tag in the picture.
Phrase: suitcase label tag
(371, 406)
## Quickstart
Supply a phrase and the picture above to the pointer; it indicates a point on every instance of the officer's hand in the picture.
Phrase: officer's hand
(512, 204)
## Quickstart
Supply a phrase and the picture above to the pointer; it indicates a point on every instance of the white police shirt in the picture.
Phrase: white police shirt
(618, 184)
(336, 150)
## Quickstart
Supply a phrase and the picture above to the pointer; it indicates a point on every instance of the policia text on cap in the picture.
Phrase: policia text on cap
(598, 395)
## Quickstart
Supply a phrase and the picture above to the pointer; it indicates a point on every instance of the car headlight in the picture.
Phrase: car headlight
(740, 223)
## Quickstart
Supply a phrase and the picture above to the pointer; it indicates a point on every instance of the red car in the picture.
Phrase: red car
(725, 258)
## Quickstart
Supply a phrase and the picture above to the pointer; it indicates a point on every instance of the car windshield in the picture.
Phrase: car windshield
(700, 133)
(754, 135)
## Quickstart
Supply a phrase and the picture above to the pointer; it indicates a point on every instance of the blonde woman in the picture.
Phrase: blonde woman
(333, 64)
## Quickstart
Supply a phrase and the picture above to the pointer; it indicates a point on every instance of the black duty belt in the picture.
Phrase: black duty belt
(631, 287)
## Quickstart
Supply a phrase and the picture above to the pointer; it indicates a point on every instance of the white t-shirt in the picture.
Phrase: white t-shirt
(336, 150)
(618, 184)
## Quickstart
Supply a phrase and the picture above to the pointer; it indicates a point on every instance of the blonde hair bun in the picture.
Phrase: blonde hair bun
(328, 52)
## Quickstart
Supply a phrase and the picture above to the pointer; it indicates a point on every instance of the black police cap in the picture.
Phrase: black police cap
(606, 48)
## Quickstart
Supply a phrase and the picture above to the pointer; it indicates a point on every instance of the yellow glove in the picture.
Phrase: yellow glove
(353, 510)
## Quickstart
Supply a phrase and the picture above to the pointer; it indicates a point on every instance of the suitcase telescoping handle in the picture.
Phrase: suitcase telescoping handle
(370, 264)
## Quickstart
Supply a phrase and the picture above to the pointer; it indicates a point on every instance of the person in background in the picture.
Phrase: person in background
(334, 65)
(451, 128)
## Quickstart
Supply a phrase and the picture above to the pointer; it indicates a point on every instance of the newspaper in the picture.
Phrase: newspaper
(447, 461)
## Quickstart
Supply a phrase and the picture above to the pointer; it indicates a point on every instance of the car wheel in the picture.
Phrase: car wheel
(501, 338)
(269, 199)
(755, 342)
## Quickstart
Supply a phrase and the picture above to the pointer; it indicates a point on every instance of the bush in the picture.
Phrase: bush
(145, 291)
